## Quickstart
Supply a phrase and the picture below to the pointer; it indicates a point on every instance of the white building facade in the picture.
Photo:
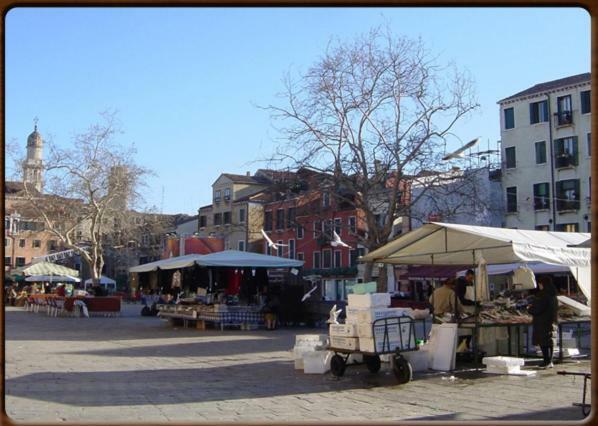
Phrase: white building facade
(546, 150)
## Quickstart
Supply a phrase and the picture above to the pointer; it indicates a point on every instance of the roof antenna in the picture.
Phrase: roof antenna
(35, 120)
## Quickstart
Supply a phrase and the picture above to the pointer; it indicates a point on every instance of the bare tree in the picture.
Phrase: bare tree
(90, 190)
(373, 113)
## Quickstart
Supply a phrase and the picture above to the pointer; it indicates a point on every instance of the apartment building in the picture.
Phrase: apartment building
(546, 150)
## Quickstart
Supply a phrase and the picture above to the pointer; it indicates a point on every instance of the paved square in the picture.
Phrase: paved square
(141, 369)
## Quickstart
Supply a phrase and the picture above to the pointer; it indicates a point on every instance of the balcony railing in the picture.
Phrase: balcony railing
(565, 160)
(564, 118)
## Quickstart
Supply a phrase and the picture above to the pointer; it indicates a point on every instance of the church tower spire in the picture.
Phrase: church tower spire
(33, 166)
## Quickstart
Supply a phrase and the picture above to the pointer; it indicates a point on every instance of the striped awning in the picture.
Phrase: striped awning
(47, 268)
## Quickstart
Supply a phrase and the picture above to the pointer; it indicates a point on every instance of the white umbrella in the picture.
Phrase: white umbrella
(52, 278)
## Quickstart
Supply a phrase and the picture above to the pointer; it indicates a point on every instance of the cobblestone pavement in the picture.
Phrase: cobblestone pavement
(140, 369)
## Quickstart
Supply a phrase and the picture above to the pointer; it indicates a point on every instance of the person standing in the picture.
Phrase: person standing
(445, 301)
(544, 310)
(461, 288)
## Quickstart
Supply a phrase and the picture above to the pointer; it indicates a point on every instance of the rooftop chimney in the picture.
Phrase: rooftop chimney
(248, 173)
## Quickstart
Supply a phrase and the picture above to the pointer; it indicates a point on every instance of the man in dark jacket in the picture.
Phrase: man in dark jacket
(544, 309)
(461, 288)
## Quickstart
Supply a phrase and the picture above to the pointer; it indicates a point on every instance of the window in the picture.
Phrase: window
(589, 143)
(36, 244)
(327, 228)
(241, 245)
(217, 218)
(512, 199)
(203, 221)
(291, 249)
(217, 196)
(241, 215)
(300, 256)
(564, 111)
(567, 194)
(290, 217)
(279, 251)
(337, 259)
(317, 228)
(541, 196)
(511, 159)
(21, 243)
(145, 240)
(509, 118)
(268, 221)
(227, 194)
(6, 242)
(542, 228)
(589, 227)
(538, 112)
(338, 222)
(317, 264)
(567, 227)
(565, 152)
(325, 200)
(352, 225)
(352, 257)
(326, 259)
(268, 249)
(586, 104)
(226, 218)
(280, 219)
(541, 152)
(300, 232)
(20, 262)
(7, 261)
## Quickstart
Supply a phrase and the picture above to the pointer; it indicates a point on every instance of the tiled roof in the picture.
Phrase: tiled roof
(551, 85)
(241, 178)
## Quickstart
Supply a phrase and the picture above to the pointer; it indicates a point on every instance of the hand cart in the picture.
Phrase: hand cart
(404, 341)
(585, 407)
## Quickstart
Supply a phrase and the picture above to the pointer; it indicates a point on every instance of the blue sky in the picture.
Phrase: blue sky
(186, 81)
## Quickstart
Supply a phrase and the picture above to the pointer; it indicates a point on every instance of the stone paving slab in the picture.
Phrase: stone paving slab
(141, 369)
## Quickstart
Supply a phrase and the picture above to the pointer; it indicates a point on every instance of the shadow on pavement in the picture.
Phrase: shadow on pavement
(188, 385)
(554, 414)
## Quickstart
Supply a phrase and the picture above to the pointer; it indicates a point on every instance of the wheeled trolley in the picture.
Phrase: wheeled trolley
(585, 407)
(392, 335)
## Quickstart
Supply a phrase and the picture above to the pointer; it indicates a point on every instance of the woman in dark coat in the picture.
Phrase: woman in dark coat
(544, 308)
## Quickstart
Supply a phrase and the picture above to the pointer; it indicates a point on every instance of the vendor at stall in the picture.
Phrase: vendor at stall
(444, 300)
(461, 288)
(544, 309)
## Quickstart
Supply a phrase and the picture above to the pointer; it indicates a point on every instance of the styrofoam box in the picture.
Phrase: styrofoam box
(351, 343)
(502, 361)
(316, 362)
(371, 300)
(367, 330)
(343, 330)
(419, 360)
(370, 315)
(310, 338)
(509, 369)
(352, 314)
(366, 344)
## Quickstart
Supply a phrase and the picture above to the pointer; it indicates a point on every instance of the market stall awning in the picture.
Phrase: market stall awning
(227, 258)
(52, 278)
(245, 259)
(171, 263)
(103, 280)
(536, 267)
(431, 272)
(46, 268)
(451, 244)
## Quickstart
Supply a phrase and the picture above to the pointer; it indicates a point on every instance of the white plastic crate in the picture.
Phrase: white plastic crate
(370, 300)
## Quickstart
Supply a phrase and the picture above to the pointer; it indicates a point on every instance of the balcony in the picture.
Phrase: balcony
(565, 160)
(564, 118)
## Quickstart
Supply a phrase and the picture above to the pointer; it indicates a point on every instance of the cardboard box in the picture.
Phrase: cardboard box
(343, 330)
(351, 343)
(352, 314)
(367, 330)
(371, 300)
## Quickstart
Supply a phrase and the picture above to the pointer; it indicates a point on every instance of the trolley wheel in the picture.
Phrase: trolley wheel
(402, 369)
(337, 365)
(373, 363)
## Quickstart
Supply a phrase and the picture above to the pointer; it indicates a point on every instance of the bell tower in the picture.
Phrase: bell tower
(33, 166)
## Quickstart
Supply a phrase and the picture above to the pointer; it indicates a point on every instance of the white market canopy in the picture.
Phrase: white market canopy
(227, 258)
(536, 267)
(451, 244)
(52, 278)
(47, 268)
(103, 280)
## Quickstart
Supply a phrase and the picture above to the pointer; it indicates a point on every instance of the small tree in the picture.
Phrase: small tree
(372, 113)
(90, 190)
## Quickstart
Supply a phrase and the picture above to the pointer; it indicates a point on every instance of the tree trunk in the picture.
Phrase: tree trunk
(382, 283)
(367, 272)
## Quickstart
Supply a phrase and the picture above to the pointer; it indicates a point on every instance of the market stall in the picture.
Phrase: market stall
(227, 289)
(451, 244)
